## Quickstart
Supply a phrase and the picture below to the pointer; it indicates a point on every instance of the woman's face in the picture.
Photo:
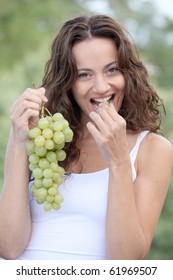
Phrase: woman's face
(99, 78)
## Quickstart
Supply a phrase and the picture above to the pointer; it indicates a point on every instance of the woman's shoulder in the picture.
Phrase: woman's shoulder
(155, 156)
(160, 140)
(157, 144)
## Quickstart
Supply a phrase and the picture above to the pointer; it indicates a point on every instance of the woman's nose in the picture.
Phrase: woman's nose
(101, 85)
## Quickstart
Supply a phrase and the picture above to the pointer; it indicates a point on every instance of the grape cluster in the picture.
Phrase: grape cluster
(45, 150)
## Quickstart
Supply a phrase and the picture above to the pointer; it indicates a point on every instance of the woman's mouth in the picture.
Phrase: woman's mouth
(97, 101)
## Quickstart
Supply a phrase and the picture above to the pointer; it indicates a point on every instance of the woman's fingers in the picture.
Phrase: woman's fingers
(19, 110)
(108, 113)
(108, 129)
(30, 99)
(94, 131)
(32, 95)
(35, 95)
(106, 118)
(25, 111)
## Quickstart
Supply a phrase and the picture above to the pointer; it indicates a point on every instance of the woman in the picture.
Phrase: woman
(115, 185)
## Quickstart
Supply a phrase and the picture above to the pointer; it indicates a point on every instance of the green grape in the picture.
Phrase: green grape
(61, 170)
(37, 173)
(43, 163)
(37, 183)
(57, 126)
(55, 186)
(47, 206)
(49, 118)
(65, 123)
(32, 166)
(40, 151)
(40, 201)
(58, 198)
(68, 134)
(41, 193)
(51, 156)
(43, 123)
(57, 117)
(58, 137)
(56, 177)
(47, 182)
(49, 144)
(59, 146)
(50, 198)
(55, 206)
(30, 147)
(60, 155)
(54, 166)
(34, 159)
(47, 173)
(52, 191)
(34, 132)
(32, 190)
(60, 180)
(39, 141)
(47, 133)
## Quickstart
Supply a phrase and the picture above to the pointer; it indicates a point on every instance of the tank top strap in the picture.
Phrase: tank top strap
(135, 149)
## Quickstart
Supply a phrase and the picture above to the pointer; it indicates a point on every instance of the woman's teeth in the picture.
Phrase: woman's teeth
(97, 101)
(101, 100)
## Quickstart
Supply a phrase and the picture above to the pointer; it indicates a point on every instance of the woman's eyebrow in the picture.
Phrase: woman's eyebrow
(111, 63)
(84, 69)
(106, 66)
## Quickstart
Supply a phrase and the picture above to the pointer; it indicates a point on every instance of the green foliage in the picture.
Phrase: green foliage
(26, 24)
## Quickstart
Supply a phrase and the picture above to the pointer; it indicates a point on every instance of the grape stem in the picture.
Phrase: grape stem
(43, 109)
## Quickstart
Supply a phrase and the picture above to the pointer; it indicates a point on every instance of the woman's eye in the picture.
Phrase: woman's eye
(113, 69)
(83, 75)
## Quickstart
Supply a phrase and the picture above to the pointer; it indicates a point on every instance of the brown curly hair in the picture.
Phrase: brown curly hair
(140, 106)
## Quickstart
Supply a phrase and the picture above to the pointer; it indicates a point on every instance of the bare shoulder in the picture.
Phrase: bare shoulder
(156, 148)
(157, 143)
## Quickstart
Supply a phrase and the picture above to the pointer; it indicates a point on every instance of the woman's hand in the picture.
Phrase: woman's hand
(109, 131)
(25, 111)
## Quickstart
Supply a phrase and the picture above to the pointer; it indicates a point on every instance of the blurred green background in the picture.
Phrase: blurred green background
(27, 28)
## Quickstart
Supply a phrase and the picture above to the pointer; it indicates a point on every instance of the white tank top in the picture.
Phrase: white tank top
(77, 230)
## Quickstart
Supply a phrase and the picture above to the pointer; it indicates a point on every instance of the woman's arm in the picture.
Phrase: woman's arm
(15, 220)
(133, 210)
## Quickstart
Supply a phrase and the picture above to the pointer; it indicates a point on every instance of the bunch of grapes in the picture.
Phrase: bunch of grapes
(45, 150)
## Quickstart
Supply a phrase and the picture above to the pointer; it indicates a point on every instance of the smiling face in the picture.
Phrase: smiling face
(99, 79)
